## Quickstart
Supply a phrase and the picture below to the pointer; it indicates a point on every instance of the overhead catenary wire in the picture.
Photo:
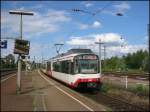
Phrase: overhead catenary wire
(86, 19)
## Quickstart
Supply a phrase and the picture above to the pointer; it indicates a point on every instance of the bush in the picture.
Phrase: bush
(140, 90)
(105, 87)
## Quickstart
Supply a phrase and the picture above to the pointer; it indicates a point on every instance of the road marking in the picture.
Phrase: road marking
(43, 103)
(7, 78)
(66, 92)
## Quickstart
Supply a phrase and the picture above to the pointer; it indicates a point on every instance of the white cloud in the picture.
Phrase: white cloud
(122, 7)
(96, 24)
(83, 26)
(88, 4)
(40, 50)
(79, 41)
(34, 25)
(112, 39)
(115, 45)
(133, 48)
(118, 8)
(57, 16)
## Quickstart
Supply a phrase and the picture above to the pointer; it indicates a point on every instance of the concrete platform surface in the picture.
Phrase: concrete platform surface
(41, 93)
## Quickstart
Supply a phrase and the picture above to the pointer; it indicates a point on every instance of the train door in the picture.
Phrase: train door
(71, 71)
(48, 68)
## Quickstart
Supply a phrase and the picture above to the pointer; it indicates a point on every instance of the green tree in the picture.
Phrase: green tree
(137, 60)
(8, 61)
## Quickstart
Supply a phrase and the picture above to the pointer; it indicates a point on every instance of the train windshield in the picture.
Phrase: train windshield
(86, 66)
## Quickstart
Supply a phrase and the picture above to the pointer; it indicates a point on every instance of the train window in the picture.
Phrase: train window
(76, 67)
(48, 66)
(65, 67)
(86, 66)
(56, 66)
(72, 67)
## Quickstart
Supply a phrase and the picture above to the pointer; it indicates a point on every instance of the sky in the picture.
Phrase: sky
(56, 22)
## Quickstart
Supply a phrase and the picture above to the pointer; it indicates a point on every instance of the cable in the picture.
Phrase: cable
(105, 6)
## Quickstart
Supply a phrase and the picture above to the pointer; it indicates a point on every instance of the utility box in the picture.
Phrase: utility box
(21, 47)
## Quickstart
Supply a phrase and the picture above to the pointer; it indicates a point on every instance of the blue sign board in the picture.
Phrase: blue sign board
(3, 44)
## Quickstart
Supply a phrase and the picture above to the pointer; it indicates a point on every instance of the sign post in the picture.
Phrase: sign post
(3, 44)
(22, 48)
(21, 13)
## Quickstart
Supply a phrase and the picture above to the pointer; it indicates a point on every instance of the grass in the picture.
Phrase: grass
(139, 89)
(105, 87)
(138, 95)
(129, 71)
(130, 97)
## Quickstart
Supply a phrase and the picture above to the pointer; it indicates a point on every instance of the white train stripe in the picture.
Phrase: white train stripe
(66, 93)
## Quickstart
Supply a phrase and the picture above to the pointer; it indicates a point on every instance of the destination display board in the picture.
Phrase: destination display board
(90, 57)
(21, 47)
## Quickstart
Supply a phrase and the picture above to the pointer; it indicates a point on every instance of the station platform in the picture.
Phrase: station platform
(41, 93)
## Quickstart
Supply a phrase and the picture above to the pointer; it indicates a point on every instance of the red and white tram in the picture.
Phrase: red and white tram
(76, 68)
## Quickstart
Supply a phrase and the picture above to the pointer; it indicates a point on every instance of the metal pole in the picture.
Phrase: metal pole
(26, 64)
(148, 37)
(21, 27)
(19, 62)
(126, 78)
(18, 75)
(100, 55)
(34, 63)
(104, 56)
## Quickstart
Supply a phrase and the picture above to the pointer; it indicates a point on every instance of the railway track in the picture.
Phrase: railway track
(7, 72)
(114, 103)
(133, 76)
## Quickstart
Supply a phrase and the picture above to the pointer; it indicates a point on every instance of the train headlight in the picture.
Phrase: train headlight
(90, 80)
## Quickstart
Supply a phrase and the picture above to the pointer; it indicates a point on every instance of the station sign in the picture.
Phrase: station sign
(3, 44)
(21, 47)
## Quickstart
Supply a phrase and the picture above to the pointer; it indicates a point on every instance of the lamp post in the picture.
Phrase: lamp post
(21, 13)
(148, 30)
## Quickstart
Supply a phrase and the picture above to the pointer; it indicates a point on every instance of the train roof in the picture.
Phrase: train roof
(73, 52)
